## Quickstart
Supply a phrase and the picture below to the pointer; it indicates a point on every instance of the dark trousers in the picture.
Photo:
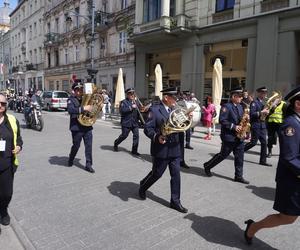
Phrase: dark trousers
(261, 135)
(181, 142)
(188, 136)
(124, 135)
(273, 131)
(6, 189)
(158, 168)
(227, 147)
(87, 137)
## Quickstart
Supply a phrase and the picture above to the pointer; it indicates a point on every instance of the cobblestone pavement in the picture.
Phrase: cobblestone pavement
(59, 207)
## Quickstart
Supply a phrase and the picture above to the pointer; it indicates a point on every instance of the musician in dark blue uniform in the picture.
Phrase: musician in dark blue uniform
(258, 126)
(79, 131)
(287, 199)
(230, 117)
(164, 149)
(129, 121)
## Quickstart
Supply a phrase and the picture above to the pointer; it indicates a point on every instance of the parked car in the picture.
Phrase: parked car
(55, 100)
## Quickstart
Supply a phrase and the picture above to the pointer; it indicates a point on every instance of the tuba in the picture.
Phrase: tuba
(92, 96)
(245, 124)
(178, 121)
(276, 95)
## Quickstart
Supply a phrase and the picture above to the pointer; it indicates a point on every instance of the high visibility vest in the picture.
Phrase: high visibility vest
(13, 123)
(277, 115)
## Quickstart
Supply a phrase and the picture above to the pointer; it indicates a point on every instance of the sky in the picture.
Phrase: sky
(13, 3)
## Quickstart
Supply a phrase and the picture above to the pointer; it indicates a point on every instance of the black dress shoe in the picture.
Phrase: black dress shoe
(183, 165)
(5, 220)
(241, 180)
(189, 147)
(142, 194)
(178, 207)
(265, 164)
(247, 238)
(135, 153)
(207, 171)
(90, 169)
(116, 148)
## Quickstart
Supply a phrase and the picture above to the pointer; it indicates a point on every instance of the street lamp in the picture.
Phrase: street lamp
(91, 71)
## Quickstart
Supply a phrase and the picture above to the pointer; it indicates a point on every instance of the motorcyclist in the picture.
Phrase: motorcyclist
(31, 98)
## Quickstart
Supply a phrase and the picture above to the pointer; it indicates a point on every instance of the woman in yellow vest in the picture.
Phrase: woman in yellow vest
(10, 145)
(274, 121)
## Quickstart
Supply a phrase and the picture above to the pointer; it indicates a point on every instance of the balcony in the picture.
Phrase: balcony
(222, 16)
(269, 5)
(31, 66)
(52, 39)
(15, 69)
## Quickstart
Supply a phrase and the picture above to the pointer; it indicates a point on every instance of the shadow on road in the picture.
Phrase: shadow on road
(266, 193)
(200, 172)
(223, 232)
(63, 161)
(144, 157)
(127, 190)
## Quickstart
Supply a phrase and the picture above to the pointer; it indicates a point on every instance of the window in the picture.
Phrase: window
(77, 17)
(30, 56)
(48, 27)
(123, 4)
(30, 32)
(152, 10)
(49, 60)
(57, 25)
(172, 8)
(222, 5)
(56, 53)
(41, 27)
(34, 29)
(35, 57)
(40, 82)
(60, 95)
(122, 42)
(76, 53)
(67, 26)
(41, 54)
(66, 56)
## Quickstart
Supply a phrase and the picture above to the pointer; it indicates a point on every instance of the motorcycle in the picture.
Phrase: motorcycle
(33, 117)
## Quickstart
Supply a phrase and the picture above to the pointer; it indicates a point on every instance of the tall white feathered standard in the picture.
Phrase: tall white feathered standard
(158, 81)
(120, 92)
(217, 88)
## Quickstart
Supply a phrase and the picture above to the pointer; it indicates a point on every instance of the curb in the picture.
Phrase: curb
(22, 237)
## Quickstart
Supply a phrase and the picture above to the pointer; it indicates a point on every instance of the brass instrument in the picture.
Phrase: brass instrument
(245, 124)
(94, 98)
(139, 106)
(276, 95)
(178, 121)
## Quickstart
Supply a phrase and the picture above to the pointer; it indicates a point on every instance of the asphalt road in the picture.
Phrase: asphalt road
(60, 207)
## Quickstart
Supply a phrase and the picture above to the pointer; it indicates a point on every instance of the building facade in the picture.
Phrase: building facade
(69, 38)
(257, 41)
(26, 38)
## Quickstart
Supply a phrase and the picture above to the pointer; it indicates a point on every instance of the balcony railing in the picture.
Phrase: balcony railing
(222, 16)
(52, 38)
(15, 69)
(269, 5)
(31, 66)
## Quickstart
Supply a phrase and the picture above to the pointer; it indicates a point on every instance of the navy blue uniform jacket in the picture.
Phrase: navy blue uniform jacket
(289, 159)
(74, 109)
(229, 118)
(129, 115)
(255, 108)
(158, 115)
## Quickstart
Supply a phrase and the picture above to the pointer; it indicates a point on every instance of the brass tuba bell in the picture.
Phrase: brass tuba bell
(92, 96)
(276, 96)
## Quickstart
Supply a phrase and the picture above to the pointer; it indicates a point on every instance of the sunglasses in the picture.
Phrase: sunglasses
(3, 104)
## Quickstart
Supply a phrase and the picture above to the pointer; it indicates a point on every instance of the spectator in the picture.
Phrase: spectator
(208, 111)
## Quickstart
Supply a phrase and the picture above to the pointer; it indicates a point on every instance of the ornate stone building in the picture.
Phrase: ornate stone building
(26, 39)
(257, 41)
(68, 40)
